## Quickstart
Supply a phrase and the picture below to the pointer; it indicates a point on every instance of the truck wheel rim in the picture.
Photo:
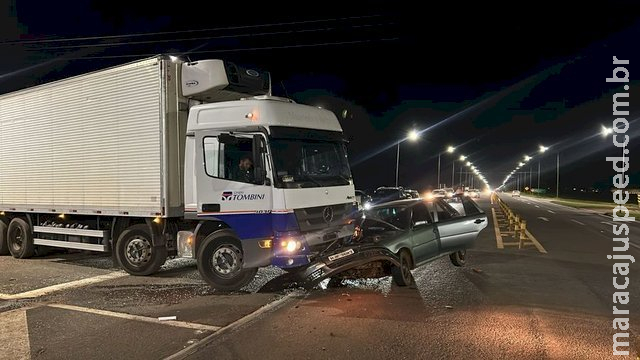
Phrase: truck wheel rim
(138, 251)
(17, 239)
(226, 260)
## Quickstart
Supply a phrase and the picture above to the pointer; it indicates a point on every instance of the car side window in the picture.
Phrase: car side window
(469, 207)
(420, 215)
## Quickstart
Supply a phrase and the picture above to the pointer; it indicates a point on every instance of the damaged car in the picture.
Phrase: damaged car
(396, 237)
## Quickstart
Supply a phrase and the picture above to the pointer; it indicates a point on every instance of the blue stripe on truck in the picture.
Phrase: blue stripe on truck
(252, 225)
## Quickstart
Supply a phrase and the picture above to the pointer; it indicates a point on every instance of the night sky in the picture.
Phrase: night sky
(494, 82)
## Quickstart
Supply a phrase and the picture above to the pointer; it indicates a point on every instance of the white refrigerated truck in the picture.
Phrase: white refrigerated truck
(143, 160)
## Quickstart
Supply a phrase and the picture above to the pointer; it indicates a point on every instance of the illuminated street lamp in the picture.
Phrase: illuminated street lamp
(606, 131)
(413, 135)
(450, 150)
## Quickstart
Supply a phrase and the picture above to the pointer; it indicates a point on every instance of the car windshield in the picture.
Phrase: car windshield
(309, 163)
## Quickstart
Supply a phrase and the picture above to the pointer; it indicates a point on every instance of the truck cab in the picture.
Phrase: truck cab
(294, 192)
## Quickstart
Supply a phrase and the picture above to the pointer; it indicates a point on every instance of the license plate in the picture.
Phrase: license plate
(341, 255)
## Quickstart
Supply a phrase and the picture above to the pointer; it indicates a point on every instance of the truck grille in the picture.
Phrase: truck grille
(322, 217)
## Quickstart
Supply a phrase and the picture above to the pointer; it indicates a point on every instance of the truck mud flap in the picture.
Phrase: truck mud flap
(344, 259)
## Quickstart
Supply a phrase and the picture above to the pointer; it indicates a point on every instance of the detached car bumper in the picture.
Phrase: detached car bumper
(343, 259)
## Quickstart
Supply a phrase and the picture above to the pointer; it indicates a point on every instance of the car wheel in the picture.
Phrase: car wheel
(402, 274)
(136, 254)
(458, 258)
(221, 263)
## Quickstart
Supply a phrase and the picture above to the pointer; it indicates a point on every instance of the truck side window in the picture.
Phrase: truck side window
(212, 157)
(224, 160)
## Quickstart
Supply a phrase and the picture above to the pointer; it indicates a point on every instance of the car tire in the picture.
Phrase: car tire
(4, 246)
(135, 251)
(220, 263)
(402, 274)
(20, 239)
(458, 258)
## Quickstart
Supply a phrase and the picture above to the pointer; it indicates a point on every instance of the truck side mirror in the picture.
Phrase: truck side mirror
(260, 174)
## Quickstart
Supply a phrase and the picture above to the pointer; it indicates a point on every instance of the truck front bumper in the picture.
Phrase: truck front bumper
(310, 244)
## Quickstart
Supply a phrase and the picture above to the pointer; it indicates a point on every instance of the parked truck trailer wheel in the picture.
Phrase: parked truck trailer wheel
(221, 263)
(20, 239)
(4, 247)
(135, 251)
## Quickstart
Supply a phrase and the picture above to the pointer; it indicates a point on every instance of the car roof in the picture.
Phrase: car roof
(403, 202)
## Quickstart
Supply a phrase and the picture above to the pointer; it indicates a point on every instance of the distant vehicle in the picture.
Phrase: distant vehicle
(438, 193)
(449, 191)
(385, 194)
(396, 237)
(474, 193)
(515, 193)
(412, 194)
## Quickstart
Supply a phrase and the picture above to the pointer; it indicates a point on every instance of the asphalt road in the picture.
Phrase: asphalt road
(506, 303)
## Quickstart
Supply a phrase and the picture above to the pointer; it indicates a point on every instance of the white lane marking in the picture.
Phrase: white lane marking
(68, 285)
(551, 211)
(577, 222)
(608, 223)
(181, 324)
(538, 206)
(634, 245)
(14, 335)
(190, 350)
(543, 218)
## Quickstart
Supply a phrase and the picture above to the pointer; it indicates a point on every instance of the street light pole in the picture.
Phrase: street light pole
(397, 163)
(538, 175)
(439, 169)
(453, 173)
(558, 174)
(412, 136)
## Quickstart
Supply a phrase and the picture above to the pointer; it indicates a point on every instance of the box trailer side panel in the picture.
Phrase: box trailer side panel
(91, 144)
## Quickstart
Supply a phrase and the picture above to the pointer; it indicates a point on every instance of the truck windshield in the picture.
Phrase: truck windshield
(302, 163)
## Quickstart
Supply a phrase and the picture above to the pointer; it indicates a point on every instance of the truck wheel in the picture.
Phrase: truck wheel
(135, 251)
(458, 258)
(20, 239)
(220, 263)
(4, 246)
(402, 274)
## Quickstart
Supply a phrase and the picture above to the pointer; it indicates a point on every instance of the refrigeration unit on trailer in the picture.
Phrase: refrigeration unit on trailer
(159, 158)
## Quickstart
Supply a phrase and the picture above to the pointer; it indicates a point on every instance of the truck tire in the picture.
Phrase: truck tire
(4, 246)
(402, 274)
(20, 239)
(135, 251)
(220, 263)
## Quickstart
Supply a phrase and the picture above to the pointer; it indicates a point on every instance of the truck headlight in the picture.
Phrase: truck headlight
(290, 245)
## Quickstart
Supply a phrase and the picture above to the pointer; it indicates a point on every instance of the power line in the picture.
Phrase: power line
(240, 27)
(283, 32)
(237, 50)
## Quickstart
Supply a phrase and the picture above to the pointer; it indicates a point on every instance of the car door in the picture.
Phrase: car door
(456, 230)
(424, 236)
